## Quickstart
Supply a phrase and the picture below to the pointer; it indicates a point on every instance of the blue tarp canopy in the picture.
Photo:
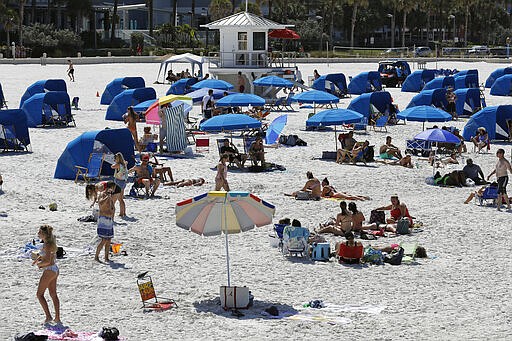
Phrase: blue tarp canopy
(466, 72)
(440, 82)
(417, 80)
(435, 97)
(44, 104)
(365, 82)
(43, 86)
(130, 97)
(333, 83)
(108, 141)
(118, 85)
(493, 119)
(497, 74)
(15, 121)
(380, 99)
(182, 86)
(468, 101)
(502, 86)
(466, 81)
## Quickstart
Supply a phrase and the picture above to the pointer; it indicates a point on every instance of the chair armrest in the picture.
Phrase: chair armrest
(80, 167)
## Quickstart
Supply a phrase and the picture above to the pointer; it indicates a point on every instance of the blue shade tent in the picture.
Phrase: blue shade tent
(417, 80)
(468, 101)
(502, 86)
(278, 82)
(229, 122)
(43, 86)
(497, 74)
(493, 119)
(15, 121)
(365, 82)
(466, 72)
(436, 97)
(240, 100)
(212, 84)
(197, 96)
(45, 104)
(440, 82)
(333, 83)
(361, 104)
(118, 85)
(108, 141)
(130, 97)
(182, 86)
(466, 81)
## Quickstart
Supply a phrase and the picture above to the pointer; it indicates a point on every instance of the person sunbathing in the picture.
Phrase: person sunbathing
(347, 143)
(481, 140)
(312, 186)
(186, 182)
(420, 252)
(455, 178)
(329, 191)
(257, 151)
(356, 154)
(406, 161)
(342, 225)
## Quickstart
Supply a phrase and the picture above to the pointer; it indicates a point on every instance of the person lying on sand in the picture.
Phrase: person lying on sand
(312, 186)
(455, 178)
(421, 252)
(406, 161)
(186, 182)
(329, 191)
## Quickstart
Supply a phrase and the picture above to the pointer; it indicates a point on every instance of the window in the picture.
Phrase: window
(242, 40)
(258, 41)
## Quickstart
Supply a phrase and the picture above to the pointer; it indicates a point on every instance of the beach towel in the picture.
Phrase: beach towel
(176, 138)
(80, 336)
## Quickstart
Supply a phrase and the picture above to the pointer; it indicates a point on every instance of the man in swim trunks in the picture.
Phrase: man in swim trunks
(501, 171)
(146, 175)
(389, 151)
(71, 71)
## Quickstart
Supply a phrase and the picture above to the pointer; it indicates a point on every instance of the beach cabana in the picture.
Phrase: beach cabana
(435, 97)
(497, 74)
(494, 119)
(468, 101)
(466, 72)
(13, 125)
(108, 141)
(118, 85)
(362, 104)
(43, 86)
(417, 80)
(182, 86)
(365, 82)
(47, 105)
(440, 82)
(502, 86)
(466, 81)
(333, 83)
(130, 97)
(192, 59)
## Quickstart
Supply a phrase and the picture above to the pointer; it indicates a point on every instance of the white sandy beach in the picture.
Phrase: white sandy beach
(461, 292)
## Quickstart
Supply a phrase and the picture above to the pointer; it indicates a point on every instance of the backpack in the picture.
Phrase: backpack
(283, 139)
(110, 333)
(368, 154)
(402, 226)
(292, 140)
(300, 142)
(395, 258)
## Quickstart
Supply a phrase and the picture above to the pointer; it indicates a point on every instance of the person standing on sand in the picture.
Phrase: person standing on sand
(221, 180)
(71, 71)
(501, 171)
(241, 82)
(46, 262)
(105, 222)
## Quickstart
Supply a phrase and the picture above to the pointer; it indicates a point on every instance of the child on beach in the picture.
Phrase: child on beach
(105, 222)
(46, 262)
(221, 180)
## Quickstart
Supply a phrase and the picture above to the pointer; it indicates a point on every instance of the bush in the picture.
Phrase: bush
(137, 39)
(45, 38)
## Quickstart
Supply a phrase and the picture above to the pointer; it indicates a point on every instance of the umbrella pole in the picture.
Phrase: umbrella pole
(335, 139)
(227, 248)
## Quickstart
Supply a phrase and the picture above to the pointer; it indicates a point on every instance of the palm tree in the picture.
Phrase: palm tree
(114, 20)
(20, 22)
(356, 4)
(75, 9)
(220, 9)
(405, 6)
(174, 12)
(149, 4)
(193, 12)
(9, 19)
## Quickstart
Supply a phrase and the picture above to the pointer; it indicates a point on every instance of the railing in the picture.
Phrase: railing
(251, 59)
(126, 35)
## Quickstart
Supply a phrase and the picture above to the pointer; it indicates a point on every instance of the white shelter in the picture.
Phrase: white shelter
(193, 59)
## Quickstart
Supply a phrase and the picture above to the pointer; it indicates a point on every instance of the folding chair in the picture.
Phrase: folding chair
(161, 171)
(361, 126)
(248, 140)
(278, 230)
(490, 194)
(8, 137)
(295, 241)
(381, 123)
(409, 252)
(418, 147)
(148, 295)
(93, 169)
(202, 144)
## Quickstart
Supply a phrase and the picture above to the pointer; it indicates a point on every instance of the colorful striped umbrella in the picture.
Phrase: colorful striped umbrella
(214, 213)
(151, 113)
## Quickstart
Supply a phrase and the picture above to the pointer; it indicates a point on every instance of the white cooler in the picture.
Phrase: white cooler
(234, 297)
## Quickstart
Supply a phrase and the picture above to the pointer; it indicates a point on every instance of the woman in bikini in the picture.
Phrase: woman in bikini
(343, 222)
(46, 262)
(120, 177)
(186, 182)
(397, 210)
(131, 123)
(329, 191)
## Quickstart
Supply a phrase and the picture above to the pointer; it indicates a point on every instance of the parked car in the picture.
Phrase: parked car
(422, 51)
(499, 51)
(393, 72)
(479, 50)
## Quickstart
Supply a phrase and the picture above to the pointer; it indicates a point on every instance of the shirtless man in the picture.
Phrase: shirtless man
(388, 150)
(145, 175)
(312, 186)
(105, 222)
(501, 171)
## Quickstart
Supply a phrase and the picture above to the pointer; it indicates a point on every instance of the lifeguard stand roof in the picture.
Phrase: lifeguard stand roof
(245, 20)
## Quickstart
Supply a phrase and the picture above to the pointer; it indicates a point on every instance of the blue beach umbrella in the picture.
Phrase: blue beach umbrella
(315, 97)
(275, 128)
(229, 122)
(240, 100)
(424, 113)
(276, 81)
(197, 95)
(213, 84)
(437, 135)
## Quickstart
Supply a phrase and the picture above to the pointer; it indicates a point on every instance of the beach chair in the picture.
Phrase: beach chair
(278, 104)
(93, 169)
(350, 254)
(277, 233)
(287, 105)
(248, 140)
(409, 252)
(148, 295)
(361, 126)
(418, 147)
(489, 196)
(8, 139)
(381, 123)
(295, 241)
(202, 144)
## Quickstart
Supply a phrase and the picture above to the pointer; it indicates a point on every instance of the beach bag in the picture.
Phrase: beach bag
(292, 140)
(368, 154)
(30, 337)
(377, 217)
(395, 258)
(110, 333)
(60, 252)
(373, 256)
(402, 227)
(302, 195)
